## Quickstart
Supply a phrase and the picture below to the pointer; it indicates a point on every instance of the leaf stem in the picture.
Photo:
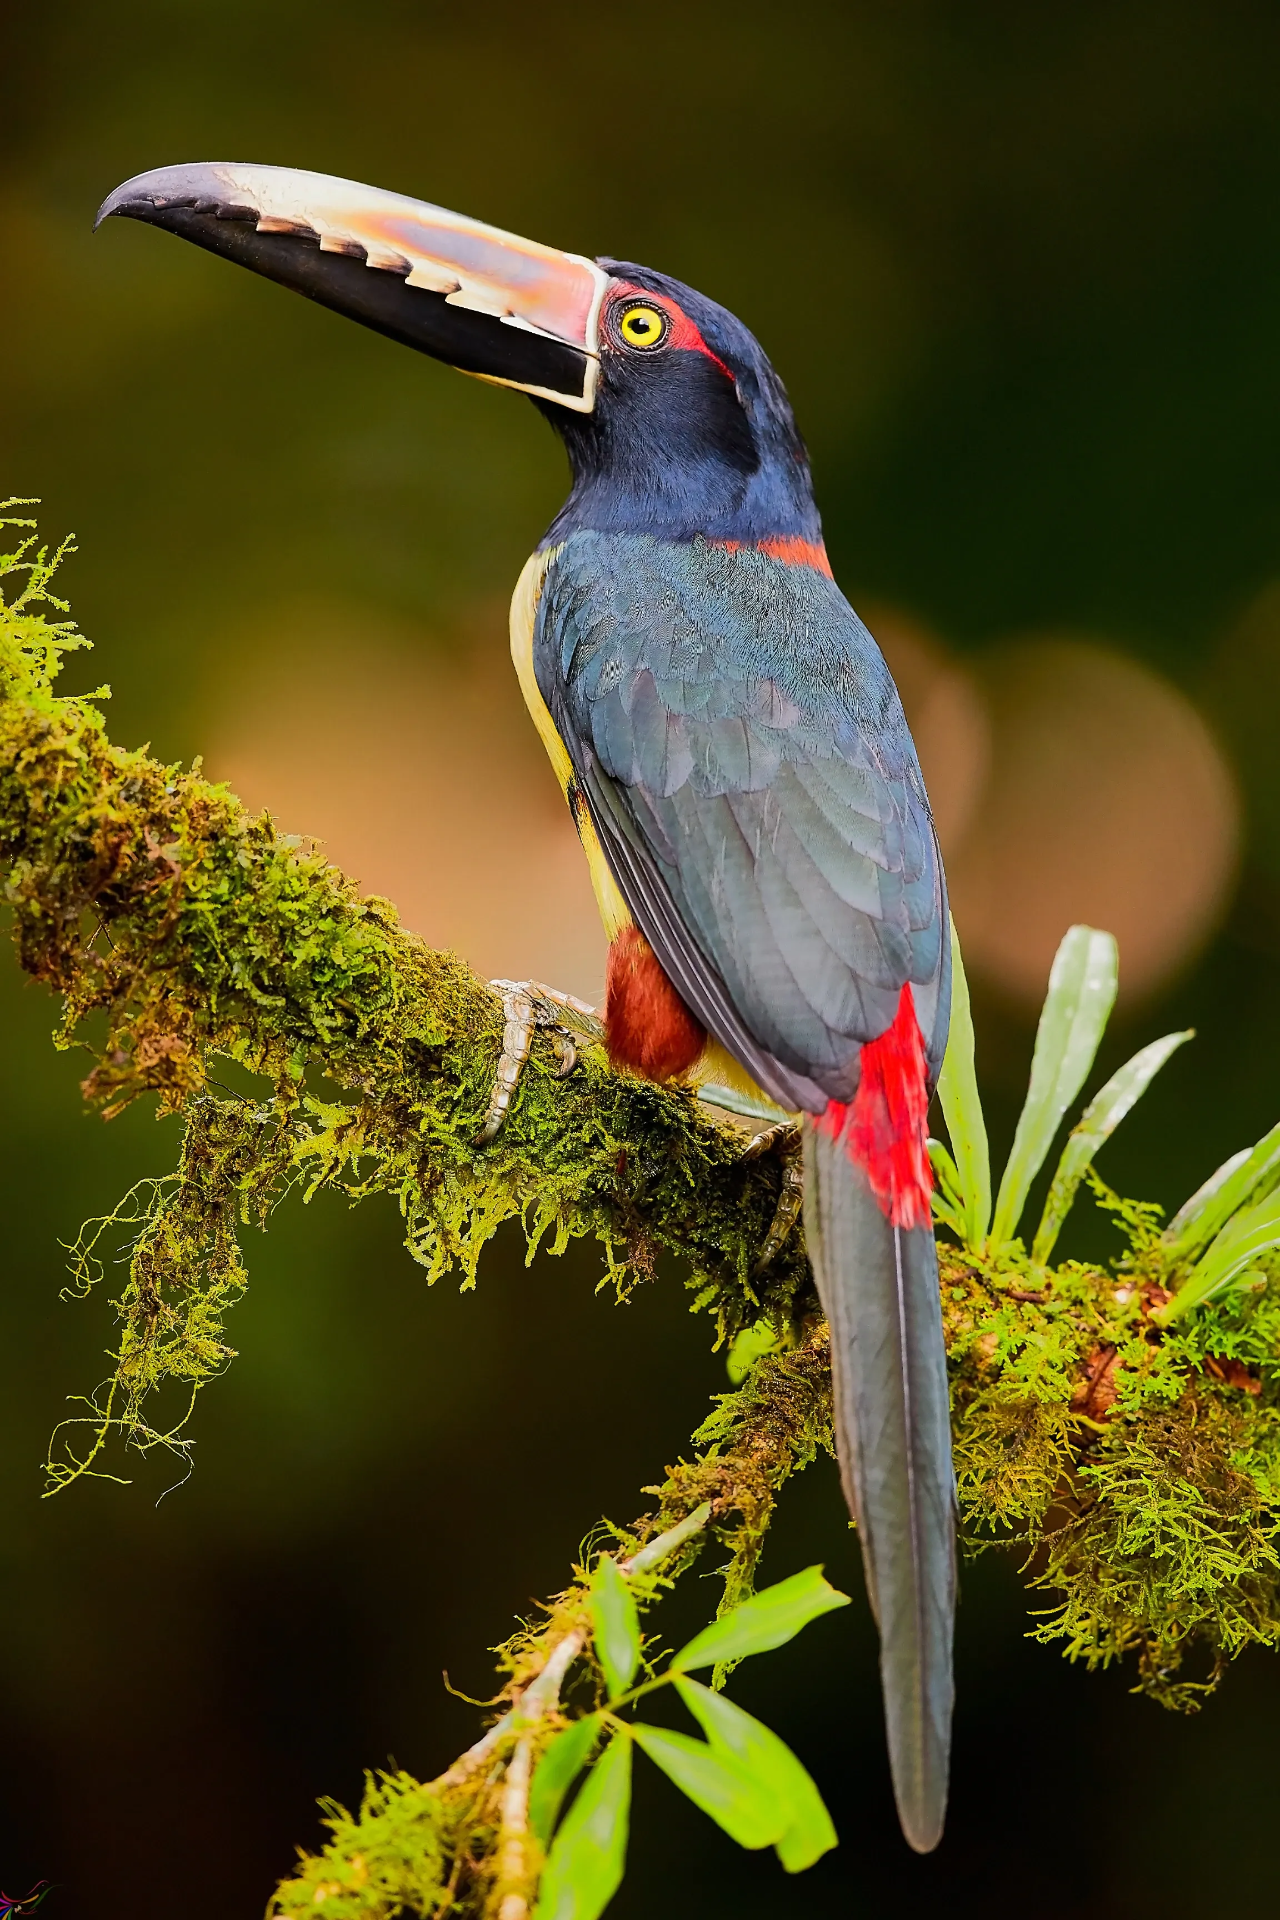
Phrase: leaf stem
(666, 1543)
(513, 1871)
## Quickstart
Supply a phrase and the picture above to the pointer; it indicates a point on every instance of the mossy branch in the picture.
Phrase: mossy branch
(147, 896)
(1136, 1464)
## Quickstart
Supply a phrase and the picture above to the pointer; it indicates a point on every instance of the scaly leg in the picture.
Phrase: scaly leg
(784, 1140)
(526, 1006)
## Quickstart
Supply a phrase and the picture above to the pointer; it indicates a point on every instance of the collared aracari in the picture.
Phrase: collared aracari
(742, 777)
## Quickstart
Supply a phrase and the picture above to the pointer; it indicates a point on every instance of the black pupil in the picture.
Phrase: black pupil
(641, 324)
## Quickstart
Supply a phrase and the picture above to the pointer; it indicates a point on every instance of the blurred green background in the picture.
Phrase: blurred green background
(1019, 268)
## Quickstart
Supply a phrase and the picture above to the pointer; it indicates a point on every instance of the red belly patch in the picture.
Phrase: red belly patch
(884, 1127)
(647, 1026)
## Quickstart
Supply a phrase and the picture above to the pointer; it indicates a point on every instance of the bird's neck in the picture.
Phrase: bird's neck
(632, 479)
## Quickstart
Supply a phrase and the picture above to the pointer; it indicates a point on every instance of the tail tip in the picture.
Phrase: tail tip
(922, 1819)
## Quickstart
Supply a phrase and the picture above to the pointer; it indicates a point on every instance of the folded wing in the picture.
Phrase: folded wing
(743, 751)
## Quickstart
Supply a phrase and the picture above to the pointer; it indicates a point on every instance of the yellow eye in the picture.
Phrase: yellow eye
(643, 326)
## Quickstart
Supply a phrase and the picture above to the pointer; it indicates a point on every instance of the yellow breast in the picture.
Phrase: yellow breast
(524, 607)
(715, 1063)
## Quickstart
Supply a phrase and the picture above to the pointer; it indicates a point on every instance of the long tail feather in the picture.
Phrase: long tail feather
(879, 1289)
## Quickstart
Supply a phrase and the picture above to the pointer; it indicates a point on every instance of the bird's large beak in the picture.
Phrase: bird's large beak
(485, 301)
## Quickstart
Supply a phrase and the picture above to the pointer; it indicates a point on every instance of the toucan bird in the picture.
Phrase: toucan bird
(737, 761)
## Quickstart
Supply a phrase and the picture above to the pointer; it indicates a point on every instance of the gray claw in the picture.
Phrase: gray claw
(784, 1140)
(527, 1005)
(562, 1041)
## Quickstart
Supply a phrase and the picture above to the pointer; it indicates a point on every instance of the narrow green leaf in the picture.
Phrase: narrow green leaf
(945, 1172)
(1238, 1182)
(1194, 1206)
(946, 1216)
(730, 1100)
(714, 1781)
(962, 1111)
(615, 1625)
(1248, 1233)
(1099, 1121)
(768, 1619)
(808, 1833)
(947, 1204)
(1082, 991)
(555, 1773)
(585, 1866)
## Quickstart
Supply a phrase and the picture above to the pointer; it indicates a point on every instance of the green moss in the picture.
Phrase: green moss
(388, 1860)
(1138, 1470)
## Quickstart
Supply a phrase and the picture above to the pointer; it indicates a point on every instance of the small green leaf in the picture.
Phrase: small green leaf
(559, 1767)
(716, 1782)
(1247, 1234)
(1082, 991)
(1096, 1125)
(585, 1866)
(1243, 1178)
(747, 1348)
(730, 1100)
(768, 1619)
(962, 1110)
(808, 1833)
(615, 1625)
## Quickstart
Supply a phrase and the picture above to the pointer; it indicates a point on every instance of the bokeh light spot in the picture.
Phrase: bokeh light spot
(1108, 801)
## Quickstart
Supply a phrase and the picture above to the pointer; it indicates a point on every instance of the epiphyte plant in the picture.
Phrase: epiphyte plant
(1211, 1244)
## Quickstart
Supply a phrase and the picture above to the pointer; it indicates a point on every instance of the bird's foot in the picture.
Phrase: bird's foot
(526, 1006)
(784, 1140)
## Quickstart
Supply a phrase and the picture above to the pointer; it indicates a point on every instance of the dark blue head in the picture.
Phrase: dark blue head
(691, 432)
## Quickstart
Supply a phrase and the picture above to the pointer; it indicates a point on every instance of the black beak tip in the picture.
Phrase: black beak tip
(145, 195)
(129, 200)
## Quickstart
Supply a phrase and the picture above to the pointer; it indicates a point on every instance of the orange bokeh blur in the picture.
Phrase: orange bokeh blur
(1108, 801)
(420, 774)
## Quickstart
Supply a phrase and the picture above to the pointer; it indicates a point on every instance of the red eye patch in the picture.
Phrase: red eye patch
(683, 333)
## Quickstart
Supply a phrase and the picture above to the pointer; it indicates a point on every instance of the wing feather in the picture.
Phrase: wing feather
(741, 746)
